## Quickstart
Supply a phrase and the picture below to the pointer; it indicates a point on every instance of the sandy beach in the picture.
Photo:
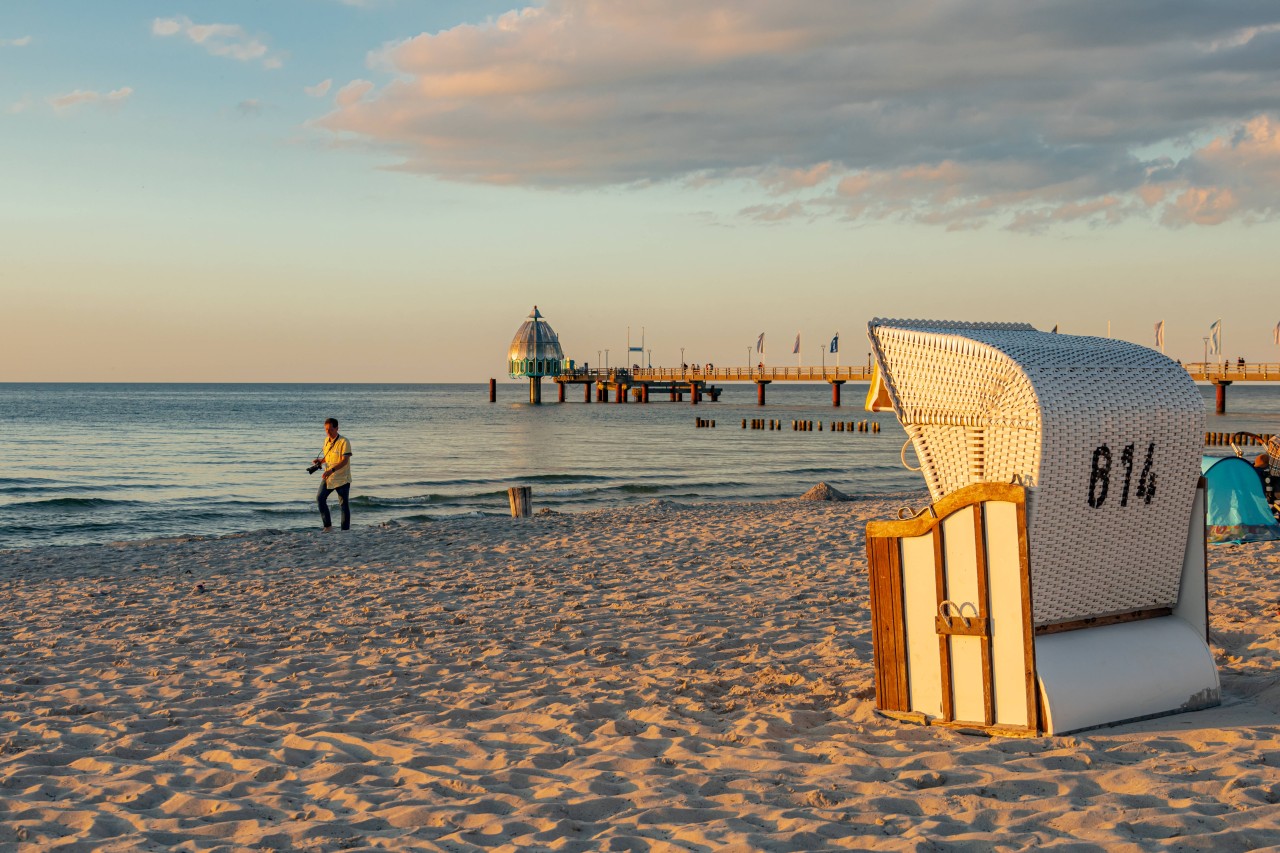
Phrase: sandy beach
(657, 678)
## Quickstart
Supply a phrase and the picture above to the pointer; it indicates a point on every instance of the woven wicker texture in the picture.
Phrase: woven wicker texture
(1003, 402)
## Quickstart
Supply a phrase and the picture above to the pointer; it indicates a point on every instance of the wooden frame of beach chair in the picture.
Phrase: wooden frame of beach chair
(1034, 595)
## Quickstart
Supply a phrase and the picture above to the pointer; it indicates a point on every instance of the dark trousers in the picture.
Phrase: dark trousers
(322, 498)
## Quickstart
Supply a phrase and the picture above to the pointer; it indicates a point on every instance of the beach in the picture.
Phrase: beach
(654, 677)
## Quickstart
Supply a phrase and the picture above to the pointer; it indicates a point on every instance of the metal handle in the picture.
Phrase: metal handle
(903, 456)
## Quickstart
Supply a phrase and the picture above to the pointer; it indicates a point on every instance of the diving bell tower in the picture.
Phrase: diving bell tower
(535, 352)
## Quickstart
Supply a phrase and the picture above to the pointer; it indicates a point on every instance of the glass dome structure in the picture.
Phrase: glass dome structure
(535, 350)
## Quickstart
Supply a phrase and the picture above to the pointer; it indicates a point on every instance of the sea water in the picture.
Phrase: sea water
(91, 463)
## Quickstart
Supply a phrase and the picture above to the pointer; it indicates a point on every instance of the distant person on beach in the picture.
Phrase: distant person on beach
(336, 458)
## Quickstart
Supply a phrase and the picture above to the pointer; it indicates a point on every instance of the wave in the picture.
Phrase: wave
(420, 500)
(69, 503)
(531, 478)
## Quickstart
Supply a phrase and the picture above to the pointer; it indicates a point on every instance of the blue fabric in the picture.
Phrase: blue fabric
(1236, 508)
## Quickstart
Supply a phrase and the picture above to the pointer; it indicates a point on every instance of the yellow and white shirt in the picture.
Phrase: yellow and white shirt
(335, 450)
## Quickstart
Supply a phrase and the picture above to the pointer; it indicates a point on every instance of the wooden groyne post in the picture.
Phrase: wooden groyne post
(521, 498)
(493, 390)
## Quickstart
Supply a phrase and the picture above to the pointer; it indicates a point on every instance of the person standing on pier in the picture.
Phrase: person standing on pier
(336, 458)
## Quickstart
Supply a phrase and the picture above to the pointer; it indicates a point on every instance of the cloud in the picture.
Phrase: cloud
(352, 93)
(250, 108)
(962, 114)
(80, 97)
(18, 42)
(319, 90)
(229, 40)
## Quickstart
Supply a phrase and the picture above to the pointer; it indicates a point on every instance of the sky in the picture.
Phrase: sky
(380, 190)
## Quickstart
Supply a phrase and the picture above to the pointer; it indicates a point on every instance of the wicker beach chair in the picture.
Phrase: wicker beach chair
(1057, 582)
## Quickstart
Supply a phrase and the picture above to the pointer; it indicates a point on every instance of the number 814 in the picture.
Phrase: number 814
(1100, 476)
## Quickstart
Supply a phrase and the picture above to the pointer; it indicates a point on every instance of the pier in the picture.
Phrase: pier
(535, 354)
(1222, 374)
(696, 385)
(643, 384)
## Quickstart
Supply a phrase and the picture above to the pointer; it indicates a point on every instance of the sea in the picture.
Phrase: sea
(98, 463)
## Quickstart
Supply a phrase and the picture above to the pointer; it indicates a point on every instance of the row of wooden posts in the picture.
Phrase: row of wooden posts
(811, 426)
(1222, 439)
(703, 423)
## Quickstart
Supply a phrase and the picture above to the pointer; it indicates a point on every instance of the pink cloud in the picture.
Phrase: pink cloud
(960, 115)
(352, 93)
(1202, 206)
(80, 97)
(228, 40)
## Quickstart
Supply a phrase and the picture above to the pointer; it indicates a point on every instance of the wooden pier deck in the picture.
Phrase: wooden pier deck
(641, 383)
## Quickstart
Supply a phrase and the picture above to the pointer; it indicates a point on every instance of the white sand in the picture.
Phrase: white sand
(632, 679)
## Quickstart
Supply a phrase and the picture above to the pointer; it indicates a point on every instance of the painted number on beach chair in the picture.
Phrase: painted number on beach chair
(1100, 476)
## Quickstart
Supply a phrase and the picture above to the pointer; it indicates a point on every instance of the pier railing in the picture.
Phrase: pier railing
(1227, 371)
(1234, 371)
(723, 374)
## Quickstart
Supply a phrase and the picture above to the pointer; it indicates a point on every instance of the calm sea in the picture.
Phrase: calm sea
(105, 462)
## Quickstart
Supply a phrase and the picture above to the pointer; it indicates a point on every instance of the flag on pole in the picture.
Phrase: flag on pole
(760, 343)
(1160, 335)
(1215, 338)
(835, 341)
(797, 346)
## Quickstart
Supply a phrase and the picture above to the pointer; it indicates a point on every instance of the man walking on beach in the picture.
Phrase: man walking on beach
(337, 475)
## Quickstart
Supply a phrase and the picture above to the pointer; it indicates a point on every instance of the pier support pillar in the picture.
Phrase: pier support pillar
(835, 392)
(644, 393)
(760, 383)
(673, 394)
(695, 394)
(560, 387)
(535, 390)
(1220, 395)
(493, 390)
(620, 395)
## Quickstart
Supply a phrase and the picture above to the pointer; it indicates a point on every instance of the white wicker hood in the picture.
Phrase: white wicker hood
(1105, 434)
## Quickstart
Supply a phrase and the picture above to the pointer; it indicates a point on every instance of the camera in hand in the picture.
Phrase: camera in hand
(316, 467)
